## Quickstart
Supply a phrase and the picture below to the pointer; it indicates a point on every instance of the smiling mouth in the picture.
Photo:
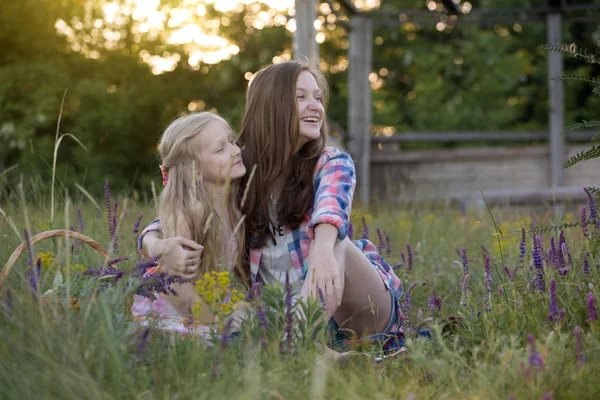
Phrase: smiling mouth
(310, 119)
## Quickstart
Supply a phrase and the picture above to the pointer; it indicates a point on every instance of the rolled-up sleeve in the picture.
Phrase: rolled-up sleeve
(334, 188)
(153, 227)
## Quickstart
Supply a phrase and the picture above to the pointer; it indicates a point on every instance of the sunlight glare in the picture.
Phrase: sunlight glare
(185, 25)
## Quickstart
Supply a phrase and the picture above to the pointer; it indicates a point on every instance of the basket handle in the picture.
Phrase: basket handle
(45, 235)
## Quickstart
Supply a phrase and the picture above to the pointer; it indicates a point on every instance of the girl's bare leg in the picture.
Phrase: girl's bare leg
(366, 304)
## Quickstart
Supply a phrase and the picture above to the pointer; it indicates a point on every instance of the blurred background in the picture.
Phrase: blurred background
(131, 66)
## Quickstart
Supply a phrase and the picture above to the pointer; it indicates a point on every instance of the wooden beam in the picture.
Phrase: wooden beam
(305, 45)
(359, 98)
(478, 136)
(556, 101)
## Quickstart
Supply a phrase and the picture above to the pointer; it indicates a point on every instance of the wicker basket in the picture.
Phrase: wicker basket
(45, 235)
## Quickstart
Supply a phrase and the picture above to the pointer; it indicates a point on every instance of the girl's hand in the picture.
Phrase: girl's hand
(323, 273)
(180, 256)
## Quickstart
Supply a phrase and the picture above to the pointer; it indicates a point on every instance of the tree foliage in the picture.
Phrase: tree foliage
(470, 76)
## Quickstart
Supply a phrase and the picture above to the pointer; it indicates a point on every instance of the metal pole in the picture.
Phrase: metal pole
(557, 106)
(305, 44)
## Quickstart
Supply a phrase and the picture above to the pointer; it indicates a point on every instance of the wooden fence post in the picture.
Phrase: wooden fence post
(359, 100)
(305, 44)
(557, 106)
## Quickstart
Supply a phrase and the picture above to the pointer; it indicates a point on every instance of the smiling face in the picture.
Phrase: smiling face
(311, 111)
(219, 153)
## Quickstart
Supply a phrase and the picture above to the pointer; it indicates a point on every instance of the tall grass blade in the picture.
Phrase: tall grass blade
(88, 195)
(11, 224)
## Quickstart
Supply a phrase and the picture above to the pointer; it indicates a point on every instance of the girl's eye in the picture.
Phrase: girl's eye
(220, 150)
(318, 99)
(300, 96)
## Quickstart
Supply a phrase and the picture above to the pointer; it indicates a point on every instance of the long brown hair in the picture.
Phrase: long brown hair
(269, 137)
(185, 205)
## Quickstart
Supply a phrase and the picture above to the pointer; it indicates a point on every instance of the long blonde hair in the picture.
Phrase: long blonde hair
(186, 208)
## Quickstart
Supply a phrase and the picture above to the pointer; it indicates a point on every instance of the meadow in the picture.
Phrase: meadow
(507, 293)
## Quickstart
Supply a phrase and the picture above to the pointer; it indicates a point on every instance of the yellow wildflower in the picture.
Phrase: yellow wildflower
(47, 258)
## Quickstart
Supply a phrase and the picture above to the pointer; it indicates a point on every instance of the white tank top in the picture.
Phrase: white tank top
(275, 260)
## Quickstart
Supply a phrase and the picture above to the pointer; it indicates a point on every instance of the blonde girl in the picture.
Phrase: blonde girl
(201, 165)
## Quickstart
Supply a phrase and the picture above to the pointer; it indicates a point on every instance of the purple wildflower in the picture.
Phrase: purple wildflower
(149, 284)
(539, 265)
(226, 334)
(465, 291)
(566, 253)
(522, 246)
(591, 307)
(579, 346)
(555, 315)
(406, 305)
(586, 264)
(560, 258)
(381, 241)
(397, 266)
(136, 227)
(410, 258)
(592, 206)
(584, 221)
(561, 238)
(289, 316)
(250, 294)
(350, 230)
(34, 274)
(139, 353)
(387, 244)
(262, 318)
(29, 249)
(535, 358)
(365, 233)
(434, 301)
(510, 275)
(547, 396)
(321, 296)
(141, 267)
(109, 212)
(500, 291)
(487, 283)
(488, 273)
(116, 261)
(465, 261)
(553, 254)
(105, 271)
(113, 229)
(80, 220)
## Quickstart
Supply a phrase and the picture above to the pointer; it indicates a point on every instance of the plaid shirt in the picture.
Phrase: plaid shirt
(334, 187)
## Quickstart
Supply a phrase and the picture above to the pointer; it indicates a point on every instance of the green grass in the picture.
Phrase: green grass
(53, 351)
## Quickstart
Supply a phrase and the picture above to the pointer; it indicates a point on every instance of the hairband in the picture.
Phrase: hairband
(165, 174)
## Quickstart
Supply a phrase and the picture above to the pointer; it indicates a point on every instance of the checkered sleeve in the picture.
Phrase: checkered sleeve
(154, 226)
(334, 187)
